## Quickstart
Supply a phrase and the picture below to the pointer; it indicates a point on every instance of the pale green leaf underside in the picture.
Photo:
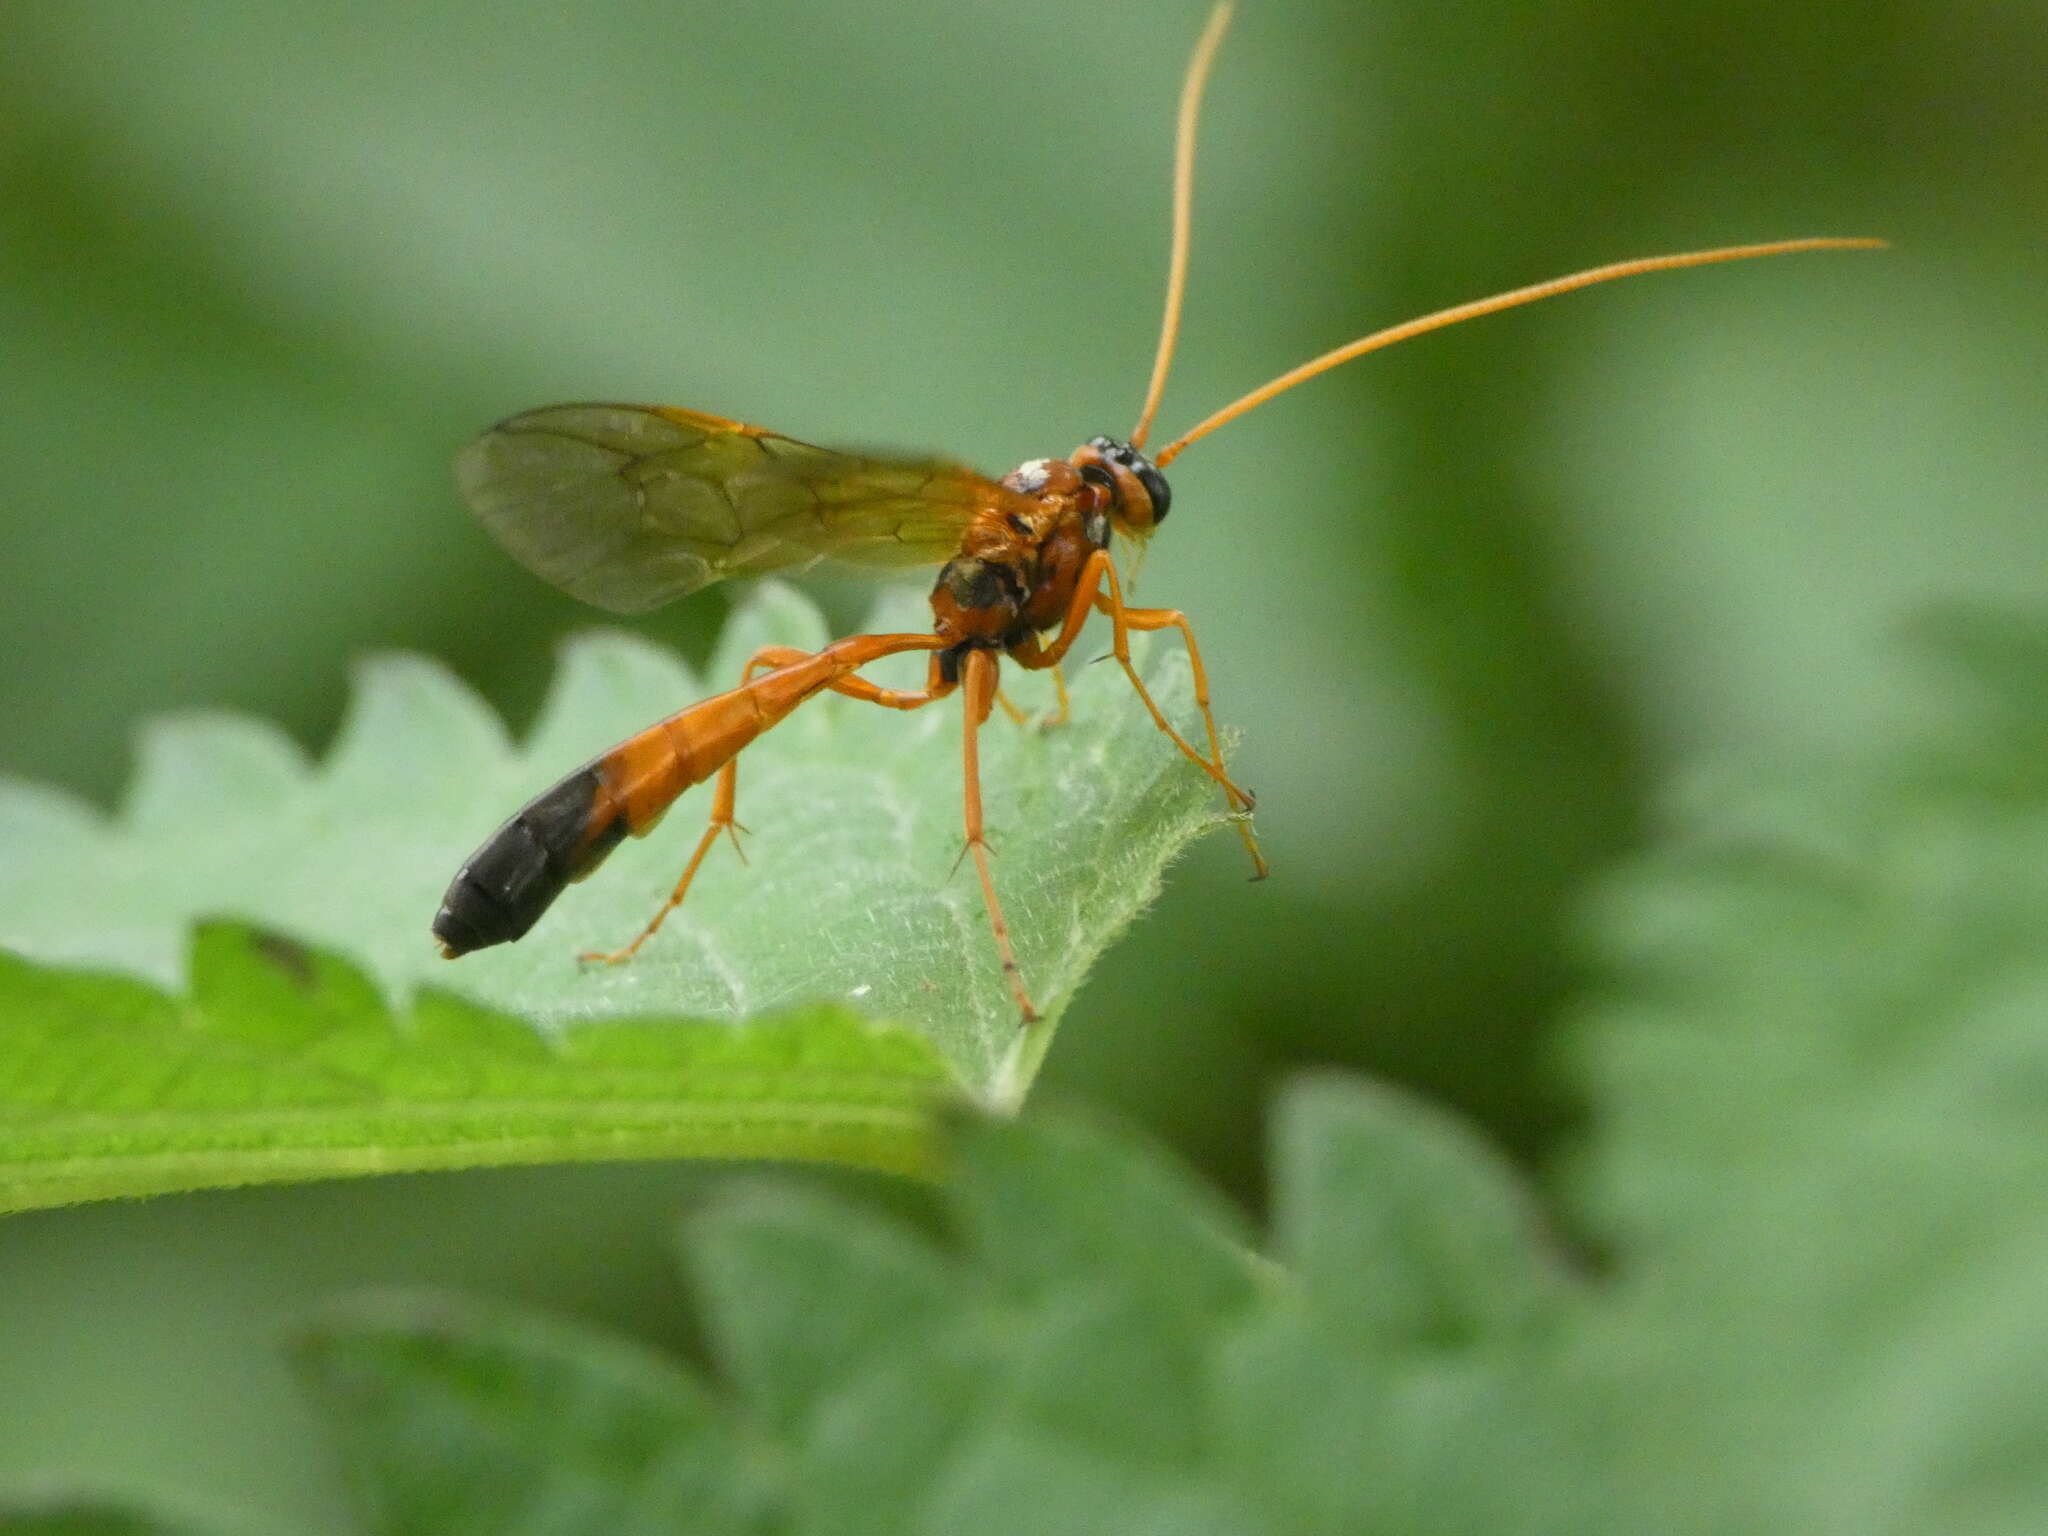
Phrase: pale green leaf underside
(850, 896)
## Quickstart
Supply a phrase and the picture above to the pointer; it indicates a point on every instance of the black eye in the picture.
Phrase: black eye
(1124, 456)
(1157, 489)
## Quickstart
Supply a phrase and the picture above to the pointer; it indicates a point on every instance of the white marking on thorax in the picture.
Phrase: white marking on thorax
(1031, 475)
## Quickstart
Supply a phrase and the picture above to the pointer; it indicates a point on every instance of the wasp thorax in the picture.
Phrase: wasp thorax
(1029, 478)
(976, 602)
(1139, 495)
(978, 583)
(1043, 478)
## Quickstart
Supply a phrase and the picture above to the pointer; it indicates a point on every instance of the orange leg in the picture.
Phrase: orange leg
(721, 821)
(1089, 592)
(1049, 722)
(725, 793)
(980, 680)
(1173, 618)
(1065, 712)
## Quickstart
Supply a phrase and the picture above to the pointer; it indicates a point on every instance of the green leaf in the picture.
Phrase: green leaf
(91, 1517)
(1821, 1074)
(1017, 1483)
(1817, 1163)
(799, 1291)
(846, 900)
(454, 1419)
(1461, 1261)
(1103, 1383)
(1826, 1070)
(1064, 1199)
(283, 1063)
(1413, 1374)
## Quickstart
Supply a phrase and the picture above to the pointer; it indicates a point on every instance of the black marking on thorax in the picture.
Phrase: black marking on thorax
(979, 585)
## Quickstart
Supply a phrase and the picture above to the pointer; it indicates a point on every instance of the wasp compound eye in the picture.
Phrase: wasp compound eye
(1141, 469)
(1155, 488)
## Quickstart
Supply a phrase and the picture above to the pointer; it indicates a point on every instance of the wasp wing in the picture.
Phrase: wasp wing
(631, 506)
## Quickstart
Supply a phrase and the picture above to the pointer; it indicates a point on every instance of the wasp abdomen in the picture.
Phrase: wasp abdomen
(562, 835)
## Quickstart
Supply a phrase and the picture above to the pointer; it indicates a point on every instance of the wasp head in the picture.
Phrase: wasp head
(1139, 497)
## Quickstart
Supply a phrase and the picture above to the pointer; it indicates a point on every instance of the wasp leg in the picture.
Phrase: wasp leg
(722, 797)
(1089, 592)
(1173, 618)
(980, 682)
(725, 793)
(1045, 722)
(1065, 712)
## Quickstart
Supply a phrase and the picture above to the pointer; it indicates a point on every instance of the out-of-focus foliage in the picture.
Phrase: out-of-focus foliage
(1818, 1076)
(263, 265)
(91, 1517)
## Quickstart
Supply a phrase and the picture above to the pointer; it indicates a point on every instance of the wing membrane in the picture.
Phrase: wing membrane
(630, 506)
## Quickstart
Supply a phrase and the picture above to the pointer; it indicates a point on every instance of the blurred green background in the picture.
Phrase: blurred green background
(263, 265)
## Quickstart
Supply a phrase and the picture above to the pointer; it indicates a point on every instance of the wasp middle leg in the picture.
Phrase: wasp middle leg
(979, 679)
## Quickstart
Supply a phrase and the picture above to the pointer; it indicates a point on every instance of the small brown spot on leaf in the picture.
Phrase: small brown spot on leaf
(288, 955)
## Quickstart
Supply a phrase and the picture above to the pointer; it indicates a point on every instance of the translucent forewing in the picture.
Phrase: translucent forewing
(630, 506)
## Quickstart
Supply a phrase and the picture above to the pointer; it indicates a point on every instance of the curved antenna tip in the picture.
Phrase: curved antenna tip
(1511, 299)
(1192, 85)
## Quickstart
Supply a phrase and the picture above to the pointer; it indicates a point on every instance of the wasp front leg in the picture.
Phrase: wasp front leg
(1099, 588)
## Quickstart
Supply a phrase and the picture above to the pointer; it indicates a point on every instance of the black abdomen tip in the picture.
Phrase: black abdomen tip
(515, 876)
(456, 927)
(499, 894)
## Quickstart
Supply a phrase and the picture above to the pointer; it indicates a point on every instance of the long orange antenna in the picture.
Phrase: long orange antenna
(1183, 211)
(1478, 307)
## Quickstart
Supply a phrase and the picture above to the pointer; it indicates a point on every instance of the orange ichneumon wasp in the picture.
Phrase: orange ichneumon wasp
(630, 506)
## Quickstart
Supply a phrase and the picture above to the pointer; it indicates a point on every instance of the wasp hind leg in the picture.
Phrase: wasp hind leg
(725, 793)
(722, 798)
